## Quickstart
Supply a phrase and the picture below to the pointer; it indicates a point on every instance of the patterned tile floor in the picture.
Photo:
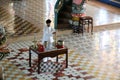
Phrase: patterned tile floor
(91, 57)
(73, 72)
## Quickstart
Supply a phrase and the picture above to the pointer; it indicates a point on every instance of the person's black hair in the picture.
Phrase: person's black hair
(48, 21)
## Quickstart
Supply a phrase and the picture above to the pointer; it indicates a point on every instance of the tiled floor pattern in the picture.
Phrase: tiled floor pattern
(90, 56)
(96, 55)
(102, 49)
(73, 72)
(11, 72)
(16, 26)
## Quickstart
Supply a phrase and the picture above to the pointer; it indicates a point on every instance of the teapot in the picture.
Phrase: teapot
(60, 44)
(40, 47)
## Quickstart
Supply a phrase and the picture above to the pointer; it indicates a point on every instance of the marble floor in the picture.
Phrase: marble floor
(102, 14)
(91, 57)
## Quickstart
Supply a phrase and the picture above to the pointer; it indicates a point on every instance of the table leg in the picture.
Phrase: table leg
(66, 60)
(92, 27)
(57, 59)
(82, 27)
(88, 26)
(29, 58)
(38, 64)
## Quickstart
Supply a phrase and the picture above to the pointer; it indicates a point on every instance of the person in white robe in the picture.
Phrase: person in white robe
(48, 35)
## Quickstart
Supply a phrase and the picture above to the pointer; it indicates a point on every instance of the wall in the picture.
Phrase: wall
(112, 2)
(30, 10)
(8, 5)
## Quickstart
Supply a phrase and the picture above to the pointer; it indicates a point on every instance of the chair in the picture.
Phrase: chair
(75, 24)
(86, 20)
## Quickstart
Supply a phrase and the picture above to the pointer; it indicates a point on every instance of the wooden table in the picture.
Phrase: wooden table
(51, 53)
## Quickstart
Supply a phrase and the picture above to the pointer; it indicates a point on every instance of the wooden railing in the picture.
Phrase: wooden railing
(58, 6)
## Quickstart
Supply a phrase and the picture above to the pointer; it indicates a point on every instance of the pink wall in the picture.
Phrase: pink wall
(77, 1)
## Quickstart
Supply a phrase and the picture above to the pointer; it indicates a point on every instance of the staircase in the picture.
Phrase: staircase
(16, 26)
(64, 15)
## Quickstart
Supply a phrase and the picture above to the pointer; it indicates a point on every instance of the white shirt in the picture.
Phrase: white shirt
(48, 34)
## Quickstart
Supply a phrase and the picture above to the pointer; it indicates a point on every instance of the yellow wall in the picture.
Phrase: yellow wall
(30, 10)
